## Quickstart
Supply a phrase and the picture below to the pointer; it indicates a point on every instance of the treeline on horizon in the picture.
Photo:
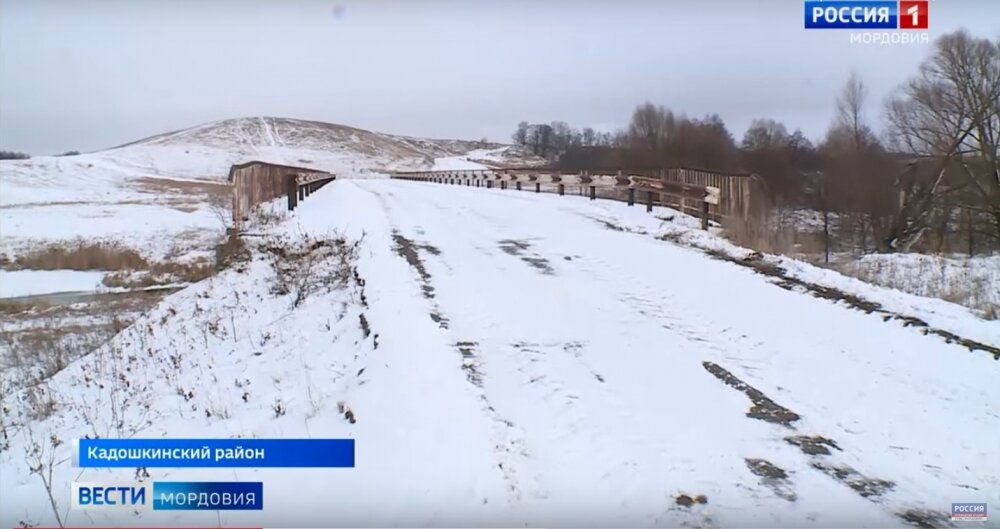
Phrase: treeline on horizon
(933, 175)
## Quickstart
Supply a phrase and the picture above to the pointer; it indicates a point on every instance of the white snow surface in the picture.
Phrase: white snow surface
(542, 370)
(33, 282)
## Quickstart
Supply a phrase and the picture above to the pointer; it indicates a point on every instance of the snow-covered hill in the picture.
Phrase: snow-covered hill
(146, 192)
(513, 359)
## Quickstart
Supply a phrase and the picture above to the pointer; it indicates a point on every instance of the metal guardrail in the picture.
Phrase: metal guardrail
(653, 188)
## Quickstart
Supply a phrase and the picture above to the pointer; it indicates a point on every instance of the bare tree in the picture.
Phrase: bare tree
(648, 128)
(521, 134)
(949, 115)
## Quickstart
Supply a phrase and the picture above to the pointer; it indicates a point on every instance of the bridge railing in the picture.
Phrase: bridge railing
(704, 194)
(255, 183)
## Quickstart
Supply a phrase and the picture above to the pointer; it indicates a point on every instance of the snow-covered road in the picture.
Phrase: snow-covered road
(518, 359)
(605, 371)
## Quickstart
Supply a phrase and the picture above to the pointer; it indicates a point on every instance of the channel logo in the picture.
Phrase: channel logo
(871, 14)
(169, 495)
(968, 512)
(110, 495)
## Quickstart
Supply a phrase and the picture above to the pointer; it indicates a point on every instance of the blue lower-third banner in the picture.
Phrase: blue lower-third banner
(214, 453)
(207, 495)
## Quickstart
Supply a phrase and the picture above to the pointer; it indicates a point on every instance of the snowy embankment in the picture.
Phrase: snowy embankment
(519, 359)
(973, 281)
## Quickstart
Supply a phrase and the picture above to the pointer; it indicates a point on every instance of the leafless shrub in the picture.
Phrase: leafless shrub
(303, 267)
(4, 421)
(230, 252)
(123, 398)
(41, 459)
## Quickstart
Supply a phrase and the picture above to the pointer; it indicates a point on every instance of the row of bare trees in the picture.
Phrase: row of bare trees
(929, 182)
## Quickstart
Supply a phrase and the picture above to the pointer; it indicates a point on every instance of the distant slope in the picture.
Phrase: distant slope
(287, 140)
(157, 186)
(205, 152)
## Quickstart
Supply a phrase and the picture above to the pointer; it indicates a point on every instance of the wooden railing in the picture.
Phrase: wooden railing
(688, 190)
(255, 183)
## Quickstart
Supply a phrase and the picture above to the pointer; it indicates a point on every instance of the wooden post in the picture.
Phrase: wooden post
(593, 192)
(518, 184)
(562, 189)
(649, 201)
(292, 192)
(538, 187)
(631, 196)
(704, 215)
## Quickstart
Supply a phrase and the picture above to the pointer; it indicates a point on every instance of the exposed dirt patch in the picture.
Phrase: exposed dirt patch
(686, 500)
(763, 407)
(766, 469)
(925, 518)
(407, 249)
(813, 445)
(365, 327)
(520, 249)
(470, 364)
(863, 485)
(773, 477)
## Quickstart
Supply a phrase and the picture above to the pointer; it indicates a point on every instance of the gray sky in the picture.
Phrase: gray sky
(90, 74)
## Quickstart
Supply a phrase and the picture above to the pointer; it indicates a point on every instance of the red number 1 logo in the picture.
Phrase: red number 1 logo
(913, 14)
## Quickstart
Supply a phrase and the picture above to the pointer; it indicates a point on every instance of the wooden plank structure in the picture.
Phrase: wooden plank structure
(257, 182)
(706, 194)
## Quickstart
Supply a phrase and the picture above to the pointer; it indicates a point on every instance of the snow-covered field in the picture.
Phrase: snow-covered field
(517, 359)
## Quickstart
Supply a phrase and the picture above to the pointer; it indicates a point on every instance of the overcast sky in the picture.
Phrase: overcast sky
(90, 74)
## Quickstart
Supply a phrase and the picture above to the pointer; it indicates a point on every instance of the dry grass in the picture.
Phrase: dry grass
(79, 255)
(231, 251)
(162, 273)
(166, 186)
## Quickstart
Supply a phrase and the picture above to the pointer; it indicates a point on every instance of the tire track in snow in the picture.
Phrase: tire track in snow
(581, 406)
(814, 447)
(510, 450)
